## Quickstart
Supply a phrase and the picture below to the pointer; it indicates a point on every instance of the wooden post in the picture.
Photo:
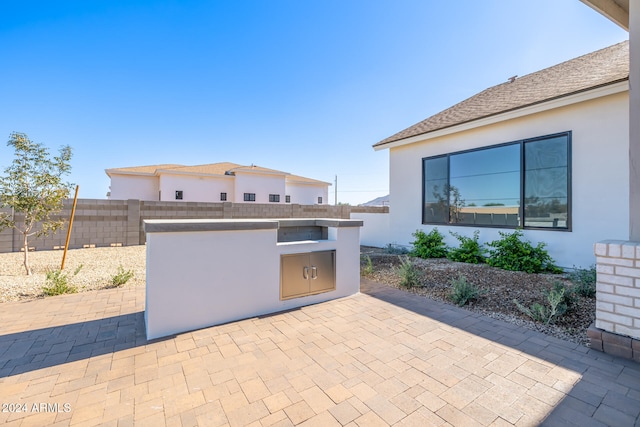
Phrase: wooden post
(73, 212)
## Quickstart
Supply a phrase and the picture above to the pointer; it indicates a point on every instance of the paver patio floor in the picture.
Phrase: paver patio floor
(383, 357)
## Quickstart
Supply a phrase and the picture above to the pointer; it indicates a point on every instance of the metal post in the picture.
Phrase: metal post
(73, 212)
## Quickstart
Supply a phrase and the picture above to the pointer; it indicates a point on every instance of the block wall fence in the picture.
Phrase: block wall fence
(119, 222)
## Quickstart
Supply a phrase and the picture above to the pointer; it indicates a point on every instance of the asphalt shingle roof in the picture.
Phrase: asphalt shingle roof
(208, 169)
(596, 69)
(143, 170)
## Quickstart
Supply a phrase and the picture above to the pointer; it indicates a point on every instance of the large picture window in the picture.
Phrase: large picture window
(520, 184)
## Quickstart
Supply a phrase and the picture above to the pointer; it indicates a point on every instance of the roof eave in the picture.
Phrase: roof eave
(318, 183)
(616, 11)
(109, 172)
(537, 107)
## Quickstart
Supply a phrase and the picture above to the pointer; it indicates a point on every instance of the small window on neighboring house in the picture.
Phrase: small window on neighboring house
(319, 200)
(223, 197)
(249, 197)
(287, 199)
(178, 194)
(274, 198)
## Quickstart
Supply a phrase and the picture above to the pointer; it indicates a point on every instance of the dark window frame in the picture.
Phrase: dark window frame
(287, 199)
(274, 198)
(223, 197)
(320, 200)
(521, 143)
(249, 197)
(179, 195)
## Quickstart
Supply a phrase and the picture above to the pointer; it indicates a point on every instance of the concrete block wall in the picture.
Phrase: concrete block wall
(368, 209)
(175, 210)
(617, 298)
(6, 235)
(119, 222)
(96, 222)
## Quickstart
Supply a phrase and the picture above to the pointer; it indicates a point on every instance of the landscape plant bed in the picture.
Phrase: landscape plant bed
(498, 290)
(99, 266)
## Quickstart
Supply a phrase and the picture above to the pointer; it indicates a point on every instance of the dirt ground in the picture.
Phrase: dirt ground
(499, 288)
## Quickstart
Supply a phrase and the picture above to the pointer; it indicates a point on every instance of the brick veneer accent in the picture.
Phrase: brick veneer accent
(615, 344)
(617, 326)
(119, 222)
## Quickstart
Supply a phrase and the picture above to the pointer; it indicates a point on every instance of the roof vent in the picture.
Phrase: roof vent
(512, 79)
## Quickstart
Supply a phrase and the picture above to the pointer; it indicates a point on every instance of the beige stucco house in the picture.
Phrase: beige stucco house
(580, 119)
(215, 182)
(546, 152)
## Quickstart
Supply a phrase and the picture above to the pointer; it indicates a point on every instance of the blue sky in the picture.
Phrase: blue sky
(303, 86)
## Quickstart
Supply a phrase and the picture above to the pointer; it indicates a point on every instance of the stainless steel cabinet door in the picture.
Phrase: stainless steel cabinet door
(307, 273)
(294, 275)
(322, 276)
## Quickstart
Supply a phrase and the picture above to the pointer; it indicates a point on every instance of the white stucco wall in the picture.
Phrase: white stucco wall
(600, 176)
(307, 194)
(197, 279)
(125, 187)
(375, 230)
(195, 188)
(260, 184)
(200, 188)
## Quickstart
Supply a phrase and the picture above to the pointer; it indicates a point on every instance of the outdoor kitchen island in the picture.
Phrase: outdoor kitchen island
(207, 272)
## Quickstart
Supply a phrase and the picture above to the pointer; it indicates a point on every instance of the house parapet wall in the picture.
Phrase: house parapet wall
(617, 298)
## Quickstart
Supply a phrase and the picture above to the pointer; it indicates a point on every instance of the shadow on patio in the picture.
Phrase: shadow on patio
(42, 348)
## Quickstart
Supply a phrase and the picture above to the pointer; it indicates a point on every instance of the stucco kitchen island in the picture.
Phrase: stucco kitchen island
(207, 272)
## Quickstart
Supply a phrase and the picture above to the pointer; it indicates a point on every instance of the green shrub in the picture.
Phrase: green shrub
(469, 251)
(512, 253)
(409, 273)
(429, 245)
(558, 301)
(584, 281)
(57, 282)
(462, 292)
(367, 268)
(121, 277)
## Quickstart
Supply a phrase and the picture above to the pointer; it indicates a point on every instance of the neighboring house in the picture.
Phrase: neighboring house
(216, 182)
(547, 152)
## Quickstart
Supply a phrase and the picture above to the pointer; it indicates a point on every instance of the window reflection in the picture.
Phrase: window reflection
(546, 183)
(485, 186)
(436, 183)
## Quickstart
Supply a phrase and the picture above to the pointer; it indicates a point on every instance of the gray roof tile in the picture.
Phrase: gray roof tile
(600, 68)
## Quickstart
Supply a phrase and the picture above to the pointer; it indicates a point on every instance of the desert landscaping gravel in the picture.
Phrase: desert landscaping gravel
(499, 289)
(99, 265)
